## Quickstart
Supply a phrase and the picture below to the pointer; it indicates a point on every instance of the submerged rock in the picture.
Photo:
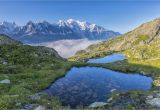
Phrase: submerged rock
(97, 104)
(5, 81)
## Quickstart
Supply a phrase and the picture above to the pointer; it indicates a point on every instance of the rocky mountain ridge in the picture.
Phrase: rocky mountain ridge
(64, 29)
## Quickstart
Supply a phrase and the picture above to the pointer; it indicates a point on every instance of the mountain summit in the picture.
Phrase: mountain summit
(64, 29)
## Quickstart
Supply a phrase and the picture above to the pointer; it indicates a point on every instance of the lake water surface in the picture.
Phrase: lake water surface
(86, 85)
(108, 59)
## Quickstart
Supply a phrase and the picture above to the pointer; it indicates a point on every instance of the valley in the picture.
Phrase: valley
(79, 55)
(67, 48)
(133, 59)
(28, 70)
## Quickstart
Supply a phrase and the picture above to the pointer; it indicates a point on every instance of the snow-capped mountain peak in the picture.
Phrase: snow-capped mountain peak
(71, 21)
(80, 25)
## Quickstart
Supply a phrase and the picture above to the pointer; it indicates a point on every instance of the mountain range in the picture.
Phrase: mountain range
(23, 67)
(64, 29)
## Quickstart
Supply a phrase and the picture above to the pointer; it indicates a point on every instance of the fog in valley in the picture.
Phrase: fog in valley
(67, 48)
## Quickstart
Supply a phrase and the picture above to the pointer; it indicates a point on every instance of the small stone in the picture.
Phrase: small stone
(35, 97)
(40, 107)
(18, 104)
(4, 63)
(150, 97)
(27, 107)
(156, 82)
(117, 94)
(97, 104)
(142, 72)
(110, 99)
(5, 81)
(158, 95)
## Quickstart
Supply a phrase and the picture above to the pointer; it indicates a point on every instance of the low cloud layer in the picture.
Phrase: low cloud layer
(67, 48)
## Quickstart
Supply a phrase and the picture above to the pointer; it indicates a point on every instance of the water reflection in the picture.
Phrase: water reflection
(85, 85)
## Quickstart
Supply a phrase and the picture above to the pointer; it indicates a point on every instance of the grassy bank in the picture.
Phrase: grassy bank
(29, 69)
(32, 69)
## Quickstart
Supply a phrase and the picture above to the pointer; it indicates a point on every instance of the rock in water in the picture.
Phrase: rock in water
(5, 81)
(113, 90)
(97, 104)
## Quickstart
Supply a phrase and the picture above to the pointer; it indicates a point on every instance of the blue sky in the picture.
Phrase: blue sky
(118, 15)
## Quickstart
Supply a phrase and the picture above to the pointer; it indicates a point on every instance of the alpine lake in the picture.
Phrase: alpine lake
(87, 85)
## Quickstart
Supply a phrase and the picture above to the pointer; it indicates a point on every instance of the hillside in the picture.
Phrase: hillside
(141, 46)
(25, 70)
(143, 42)
(7, 40)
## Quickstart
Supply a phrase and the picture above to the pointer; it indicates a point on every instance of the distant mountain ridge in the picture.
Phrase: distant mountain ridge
(64, 29)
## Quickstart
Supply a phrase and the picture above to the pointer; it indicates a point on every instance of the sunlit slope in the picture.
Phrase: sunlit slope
(145, 36)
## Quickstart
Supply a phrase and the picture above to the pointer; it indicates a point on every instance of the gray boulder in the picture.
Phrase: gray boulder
(5, 81)
(97, 104)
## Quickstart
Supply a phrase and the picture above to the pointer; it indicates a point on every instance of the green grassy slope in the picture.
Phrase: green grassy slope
(29, 69)
(143, 35)
(7, 40)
